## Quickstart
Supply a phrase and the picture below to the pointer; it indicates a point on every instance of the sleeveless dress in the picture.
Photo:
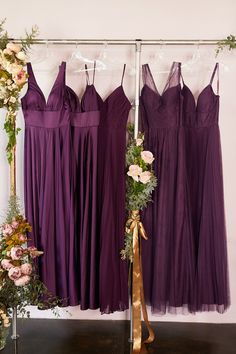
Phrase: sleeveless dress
(85, 121)
(205, 181)
(47, 186)
(111, 179)
(168, 254)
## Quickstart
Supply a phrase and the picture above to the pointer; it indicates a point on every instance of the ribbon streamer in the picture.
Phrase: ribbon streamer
(138, 300)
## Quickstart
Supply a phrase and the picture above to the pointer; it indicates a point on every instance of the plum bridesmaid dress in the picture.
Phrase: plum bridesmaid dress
(168, 255)
(205, 181)
(47, 186)
(85, 122)
(111, 179)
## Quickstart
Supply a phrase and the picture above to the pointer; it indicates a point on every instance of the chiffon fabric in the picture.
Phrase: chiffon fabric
(112, 146)
(205, 180)
(185, 259)
(47, 186)
(74, 175)
(84, 133)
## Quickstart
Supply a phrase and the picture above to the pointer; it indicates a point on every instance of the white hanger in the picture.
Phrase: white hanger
(77, 62)
(46, 56)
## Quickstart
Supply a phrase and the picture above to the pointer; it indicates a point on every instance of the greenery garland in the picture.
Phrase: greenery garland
(229, 42)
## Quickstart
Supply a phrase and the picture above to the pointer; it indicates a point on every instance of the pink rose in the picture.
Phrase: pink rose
(147, 156)
(14, 273)
(24, 280)
(16, 252)
(14, 224)
(26, 268)
(145, 177)
(20, 78)
(134, 172)
(22, 237)
(13, 47)
(34, 252)
(6, 264)
(7, 229)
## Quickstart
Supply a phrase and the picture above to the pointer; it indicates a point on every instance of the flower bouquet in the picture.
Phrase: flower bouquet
(13, 77)
(140, 183)
(20, 285)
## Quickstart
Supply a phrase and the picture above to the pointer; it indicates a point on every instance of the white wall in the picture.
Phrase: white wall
(136, 19)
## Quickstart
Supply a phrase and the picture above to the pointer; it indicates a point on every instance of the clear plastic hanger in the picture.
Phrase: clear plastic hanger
(45, 55)
(160, 57)
(110, 61)
(77, 62)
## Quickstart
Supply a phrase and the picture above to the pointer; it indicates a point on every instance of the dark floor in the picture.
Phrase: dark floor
(111, 337)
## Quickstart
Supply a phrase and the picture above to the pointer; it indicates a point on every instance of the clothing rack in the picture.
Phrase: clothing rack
(138, 43)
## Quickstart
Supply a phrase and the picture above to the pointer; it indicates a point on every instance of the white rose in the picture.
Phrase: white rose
(21, 55)
(139, 142)
(12, 99)
(147, 156)
(13, 47)
(145, 177)
(134, 172)
(9, 82)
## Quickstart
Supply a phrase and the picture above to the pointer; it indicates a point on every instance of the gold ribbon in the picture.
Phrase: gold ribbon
(138, 300)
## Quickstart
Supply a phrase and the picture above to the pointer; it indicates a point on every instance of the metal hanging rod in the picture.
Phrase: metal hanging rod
(124, 41)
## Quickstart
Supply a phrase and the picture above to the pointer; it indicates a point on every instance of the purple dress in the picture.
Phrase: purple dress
(111, 179)
(47, 187)
(85, 122)
(168, 255)
(205, 181)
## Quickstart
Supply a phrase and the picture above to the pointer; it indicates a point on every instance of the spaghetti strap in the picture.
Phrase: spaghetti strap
(148, 78)
(94, 68)
(86, 72)
(216, 68)
(123, 73)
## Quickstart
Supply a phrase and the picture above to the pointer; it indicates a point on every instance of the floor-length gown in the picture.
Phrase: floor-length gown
(112, 146)
(85, 122)
(168, 254)
(205, 181)
(47, 188)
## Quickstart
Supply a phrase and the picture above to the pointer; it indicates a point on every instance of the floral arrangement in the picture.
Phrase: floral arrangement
(13, 77)
(140, 183)
(4, 319)
(19, 282)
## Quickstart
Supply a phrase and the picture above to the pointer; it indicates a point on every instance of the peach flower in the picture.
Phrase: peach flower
(26, 268)
(134, 172)
(7, 229)
(16, 252)
(14, 47)
(20, 78)
(147, 157)
(14, 273)
(24, 280)
(145, 177)
(6, 264)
